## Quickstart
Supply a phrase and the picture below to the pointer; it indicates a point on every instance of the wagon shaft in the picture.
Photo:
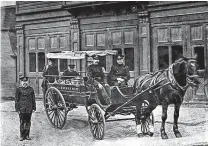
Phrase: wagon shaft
(134, 98)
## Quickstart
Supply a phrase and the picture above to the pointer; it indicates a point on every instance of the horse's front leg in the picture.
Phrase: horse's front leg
(138, 121)
(164, 117)
(175, 124)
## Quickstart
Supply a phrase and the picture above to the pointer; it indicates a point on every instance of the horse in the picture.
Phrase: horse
(178, 77)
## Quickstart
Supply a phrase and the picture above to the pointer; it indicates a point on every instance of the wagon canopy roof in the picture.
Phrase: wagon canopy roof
(79, 54)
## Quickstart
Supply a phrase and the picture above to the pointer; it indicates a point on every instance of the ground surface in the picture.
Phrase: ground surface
(193, 125)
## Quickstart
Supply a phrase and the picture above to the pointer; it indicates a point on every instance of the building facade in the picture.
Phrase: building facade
(151, 35)
(8, 51)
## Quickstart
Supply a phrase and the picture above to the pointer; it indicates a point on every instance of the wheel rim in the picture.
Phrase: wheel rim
(55, 108)
(96, 121)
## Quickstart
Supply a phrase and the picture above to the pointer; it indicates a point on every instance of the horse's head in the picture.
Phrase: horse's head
(185, 71)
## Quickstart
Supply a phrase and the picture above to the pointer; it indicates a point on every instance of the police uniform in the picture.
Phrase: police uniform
(25, 104)
(96, 76)
(119, 71)
(68, 73)
(51, 70)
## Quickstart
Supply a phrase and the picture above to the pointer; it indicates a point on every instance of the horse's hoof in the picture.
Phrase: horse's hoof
(140, 135)
(164, 136)
(178, 134)
(150, 134)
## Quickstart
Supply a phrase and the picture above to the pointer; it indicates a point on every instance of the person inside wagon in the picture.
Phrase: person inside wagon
(69, 73)
(96, 77)
(52, 70)
(119, 73)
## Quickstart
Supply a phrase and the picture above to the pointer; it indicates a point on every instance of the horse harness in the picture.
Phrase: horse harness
(160, 75)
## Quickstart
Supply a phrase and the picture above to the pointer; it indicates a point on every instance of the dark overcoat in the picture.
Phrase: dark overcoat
(25, 100)
(119, 71)
(96, 75)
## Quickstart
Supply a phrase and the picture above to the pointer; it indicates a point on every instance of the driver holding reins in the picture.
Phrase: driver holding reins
(96, 76)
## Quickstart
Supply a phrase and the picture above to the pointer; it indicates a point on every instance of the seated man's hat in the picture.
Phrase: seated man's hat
(71, 65)
(52, 60)
(95, 57)
(120, 56)
(22, 78)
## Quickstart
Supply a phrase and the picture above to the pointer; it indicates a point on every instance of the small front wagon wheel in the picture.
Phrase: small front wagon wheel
(55, 107)
(96, 121)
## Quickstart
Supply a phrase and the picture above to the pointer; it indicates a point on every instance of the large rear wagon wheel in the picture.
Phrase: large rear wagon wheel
(96, 121)
(55, 108)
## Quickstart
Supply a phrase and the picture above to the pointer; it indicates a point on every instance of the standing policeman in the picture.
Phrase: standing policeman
(25, 105)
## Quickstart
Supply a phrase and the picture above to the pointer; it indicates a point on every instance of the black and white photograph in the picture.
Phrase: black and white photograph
(104, 73)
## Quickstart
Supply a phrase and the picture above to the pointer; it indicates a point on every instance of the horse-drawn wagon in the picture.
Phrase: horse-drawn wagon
(62, 97)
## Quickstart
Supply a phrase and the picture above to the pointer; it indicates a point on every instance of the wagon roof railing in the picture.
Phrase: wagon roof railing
(79, 54)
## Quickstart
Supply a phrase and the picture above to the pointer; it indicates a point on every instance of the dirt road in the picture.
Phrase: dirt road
(193, 125)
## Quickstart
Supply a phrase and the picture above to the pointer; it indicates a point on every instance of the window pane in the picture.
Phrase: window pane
(101, 39)
(196, 33)
(90, 40)
(116, 38)
(41, 43)
(162, 35)
(177, 51)
(163, 57)
(41, 61)
(54, 42)
(114, 57)
(63, 64)
(31, 43)
(199, 51)
(176, 34)
(62, 41)
(129, 58)
(128, 37)
(32, 62)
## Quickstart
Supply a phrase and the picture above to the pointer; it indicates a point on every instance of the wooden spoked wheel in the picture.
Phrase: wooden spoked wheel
(96, 121)
(145, 123)
(55, 107)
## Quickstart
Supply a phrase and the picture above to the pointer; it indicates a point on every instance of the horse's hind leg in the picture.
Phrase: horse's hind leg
(175, 124)
(164, 117)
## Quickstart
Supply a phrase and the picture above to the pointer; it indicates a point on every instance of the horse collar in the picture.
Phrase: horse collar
(173, 80)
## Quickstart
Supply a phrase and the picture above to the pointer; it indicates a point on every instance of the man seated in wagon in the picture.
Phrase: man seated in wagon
(50, 74)
(69, 73)
(119, 73)
(96, 76)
